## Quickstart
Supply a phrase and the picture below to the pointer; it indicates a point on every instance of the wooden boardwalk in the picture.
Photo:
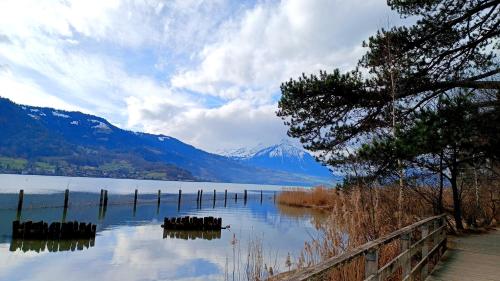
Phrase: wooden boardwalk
(472, 257)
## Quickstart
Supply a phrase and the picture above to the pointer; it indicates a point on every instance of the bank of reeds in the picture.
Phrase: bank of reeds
(317, 197)
(361, 214)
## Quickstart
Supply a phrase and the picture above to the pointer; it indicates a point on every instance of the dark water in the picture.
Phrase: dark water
(131, 245)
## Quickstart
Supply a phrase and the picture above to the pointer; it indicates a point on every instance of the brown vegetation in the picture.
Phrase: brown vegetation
(361, 214)
(317, 197)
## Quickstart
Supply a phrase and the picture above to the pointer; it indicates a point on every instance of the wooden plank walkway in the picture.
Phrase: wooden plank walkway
(473, 257)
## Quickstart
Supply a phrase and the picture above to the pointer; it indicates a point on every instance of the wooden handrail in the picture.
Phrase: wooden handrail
(370, 251)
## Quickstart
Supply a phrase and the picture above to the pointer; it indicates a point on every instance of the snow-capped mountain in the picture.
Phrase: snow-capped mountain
(243, 152)
(48, 141)
(285, 156)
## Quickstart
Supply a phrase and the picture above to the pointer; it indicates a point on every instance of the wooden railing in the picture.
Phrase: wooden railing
(432, 242)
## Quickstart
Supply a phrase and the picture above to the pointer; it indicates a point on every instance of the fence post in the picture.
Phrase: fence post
(135, 198)
(101, 198)
(225, 198)
(214, 200)
(159, 197)
(66, 198)
(442, 234)
(179, 200)
(405, 241)
(425, 250)
(105, 203)
(261, 196)
(102, 213)
(371, 264)
(20, 202)
(245, 197)
(236, 197)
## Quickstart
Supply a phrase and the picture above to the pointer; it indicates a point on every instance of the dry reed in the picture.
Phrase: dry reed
(358, 215)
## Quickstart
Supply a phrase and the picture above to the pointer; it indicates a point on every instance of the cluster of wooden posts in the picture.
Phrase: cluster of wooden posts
(55, 231)
(51, 245)
(192, 223)
(192, 234)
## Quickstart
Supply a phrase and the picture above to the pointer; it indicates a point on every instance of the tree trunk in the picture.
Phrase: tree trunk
(441, 185)
(457, 208)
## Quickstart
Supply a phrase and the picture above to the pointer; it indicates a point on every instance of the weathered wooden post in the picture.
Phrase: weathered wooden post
(371, 263)
(101, 198)
(179, 200)
(274, 197)
(20, 203)
(66, 198)
(158, 203)
(135, 203)
(436, 235)
(65, 209)
(425, 250)
(201, 197)
(213, 206)
(198, 198)
(135, 198)
(236, 197)
(245, 197)
(442, 234)
(261, 196)
(405, 241)
(65, 213)
(225, 198)
(105, 203)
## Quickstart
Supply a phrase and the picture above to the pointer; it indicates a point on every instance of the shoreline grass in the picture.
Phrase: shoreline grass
(359, 214)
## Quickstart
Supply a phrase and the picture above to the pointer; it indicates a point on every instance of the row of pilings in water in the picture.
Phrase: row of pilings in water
(103, 200)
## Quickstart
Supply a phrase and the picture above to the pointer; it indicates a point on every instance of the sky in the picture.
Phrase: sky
(207, 72)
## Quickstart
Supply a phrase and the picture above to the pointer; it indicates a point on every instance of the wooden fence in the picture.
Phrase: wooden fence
(431, 243)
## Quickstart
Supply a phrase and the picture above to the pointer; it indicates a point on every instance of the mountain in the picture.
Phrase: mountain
(38, 140)
(285, 157)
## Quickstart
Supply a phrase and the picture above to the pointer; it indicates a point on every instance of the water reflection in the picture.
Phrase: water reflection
(132, 246)
(38, 246)
(192, 234)
(317, 216)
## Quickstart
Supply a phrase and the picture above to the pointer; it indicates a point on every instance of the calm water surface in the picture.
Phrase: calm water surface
(131, 245)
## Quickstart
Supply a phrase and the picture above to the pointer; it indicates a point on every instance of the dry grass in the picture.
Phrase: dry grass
(318, 197)
(355, 216)
(358, 215)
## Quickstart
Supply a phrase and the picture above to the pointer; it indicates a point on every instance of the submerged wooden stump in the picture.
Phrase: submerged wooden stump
(42, 231)
(192, 223)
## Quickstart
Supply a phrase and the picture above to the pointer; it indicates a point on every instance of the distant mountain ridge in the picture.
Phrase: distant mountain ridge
(284, 156)
(43, 140)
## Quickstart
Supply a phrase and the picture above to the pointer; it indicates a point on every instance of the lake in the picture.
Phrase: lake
(131, 245)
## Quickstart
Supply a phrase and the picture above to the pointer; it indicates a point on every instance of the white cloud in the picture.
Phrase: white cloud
(155, 65)
(25, 91)
(235, 124)
(129, 23)
(276, 41)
